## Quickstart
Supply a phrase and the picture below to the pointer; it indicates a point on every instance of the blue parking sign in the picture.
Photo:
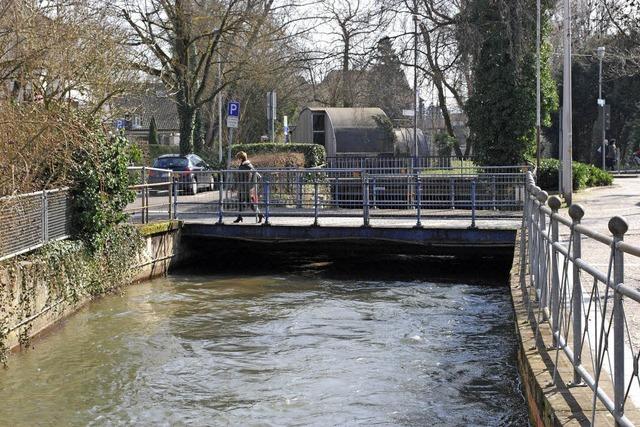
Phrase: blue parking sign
(233, 109)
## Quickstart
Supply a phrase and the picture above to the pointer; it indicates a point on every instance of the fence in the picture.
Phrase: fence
(31, 220)
(590, 309)
(467, 192)
(404, 163)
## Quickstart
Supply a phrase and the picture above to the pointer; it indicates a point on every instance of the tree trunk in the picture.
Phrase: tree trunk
(347, 100)
(187, 119)
(445, 114)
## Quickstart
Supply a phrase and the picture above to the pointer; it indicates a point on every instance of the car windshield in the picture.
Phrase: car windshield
(171, 163)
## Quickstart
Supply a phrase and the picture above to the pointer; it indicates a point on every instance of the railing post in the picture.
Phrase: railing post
(576, 212)
(45, 218)
(452, 193)
(418, 201)
(145, 196)
(170, 192)
(554, 203)
(267, 200)
(542, 259)
(473, 203)
(298, 190)
(618, 227)
(221, 200)
(494, 191)
(365, 199)
(175, 196)
(315, 201)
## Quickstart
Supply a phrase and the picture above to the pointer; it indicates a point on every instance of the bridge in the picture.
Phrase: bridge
(433, 210)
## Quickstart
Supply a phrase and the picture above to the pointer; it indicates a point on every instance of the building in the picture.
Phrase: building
(138, 110)
(355, 131)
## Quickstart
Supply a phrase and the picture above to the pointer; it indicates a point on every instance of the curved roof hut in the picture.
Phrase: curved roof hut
(404, 144)
(345, 130)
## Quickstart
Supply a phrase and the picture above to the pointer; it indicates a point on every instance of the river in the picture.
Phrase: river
(302, 348)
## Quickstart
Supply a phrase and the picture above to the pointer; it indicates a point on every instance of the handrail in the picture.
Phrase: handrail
(585, 311)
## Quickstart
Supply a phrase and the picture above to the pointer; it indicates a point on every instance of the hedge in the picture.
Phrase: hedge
(584, 175)
(314, 154)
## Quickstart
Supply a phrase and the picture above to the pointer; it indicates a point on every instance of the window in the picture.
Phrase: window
(318, 129)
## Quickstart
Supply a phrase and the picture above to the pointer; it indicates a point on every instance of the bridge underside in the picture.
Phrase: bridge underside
(358, 240)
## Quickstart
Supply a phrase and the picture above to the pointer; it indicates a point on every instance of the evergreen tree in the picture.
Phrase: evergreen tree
(387, 84)
(502, 107)
(153, 131)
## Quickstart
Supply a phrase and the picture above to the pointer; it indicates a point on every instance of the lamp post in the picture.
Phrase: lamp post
(600, 53)
(538, 101)
(567, 110)
(415, 79)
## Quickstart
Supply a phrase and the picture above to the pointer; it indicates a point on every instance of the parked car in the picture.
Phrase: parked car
(194, 174)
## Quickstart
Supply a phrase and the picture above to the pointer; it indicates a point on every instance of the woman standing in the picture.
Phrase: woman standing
(246, 179)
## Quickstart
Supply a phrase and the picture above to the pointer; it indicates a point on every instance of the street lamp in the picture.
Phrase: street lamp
(600, 53)
(415, 79)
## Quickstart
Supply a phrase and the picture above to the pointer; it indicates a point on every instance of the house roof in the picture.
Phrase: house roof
(152, 103)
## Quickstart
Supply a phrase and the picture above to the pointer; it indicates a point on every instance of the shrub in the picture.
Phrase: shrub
(314, 154)
(583, 175)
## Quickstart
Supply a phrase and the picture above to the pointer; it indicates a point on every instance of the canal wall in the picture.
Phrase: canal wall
(32, 299)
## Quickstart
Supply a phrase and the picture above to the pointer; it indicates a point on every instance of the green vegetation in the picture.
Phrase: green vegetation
(502, 107)
(583, 175)
(314, 154)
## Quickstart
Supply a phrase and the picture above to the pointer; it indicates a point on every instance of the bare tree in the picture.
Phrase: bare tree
(64, 50)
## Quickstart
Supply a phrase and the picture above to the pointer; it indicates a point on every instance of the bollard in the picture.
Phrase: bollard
(576, 212)
(365, 199)
(418, 201)
(618, 227)
(473, 203)
(542, 259)
(554, 203)
(267, 201)
(220, 200)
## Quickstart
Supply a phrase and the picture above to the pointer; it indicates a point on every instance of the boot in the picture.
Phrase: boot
(260, 218)
(237, 220)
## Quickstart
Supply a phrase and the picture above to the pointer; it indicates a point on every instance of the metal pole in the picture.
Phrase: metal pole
(473, 203)
(365, 199)
(601, 104)
(315, 201)
(220, 109)
(175, 197)
(220, 199)
(576, 212)
(229, 148)
(538, 101)
(145, 199)
(618, 226)
(415, 78)
(567, 110)
(418, 201)
(554, 203)
(267, 201)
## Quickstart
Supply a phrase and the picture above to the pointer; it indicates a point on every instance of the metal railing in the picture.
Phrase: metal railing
(399, 163)
(470, 192)
(31, 220)
(586, 304)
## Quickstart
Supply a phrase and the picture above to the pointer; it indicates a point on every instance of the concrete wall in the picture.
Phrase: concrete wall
(159, 252)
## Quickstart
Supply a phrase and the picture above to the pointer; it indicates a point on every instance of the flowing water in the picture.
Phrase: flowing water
(268, 349)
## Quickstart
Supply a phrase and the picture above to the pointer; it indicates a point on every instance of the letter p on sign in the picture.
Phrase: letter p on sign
(233, 109)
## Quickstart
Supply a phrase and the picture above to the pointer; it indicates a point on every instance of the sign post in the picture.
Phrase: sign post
(233, 115)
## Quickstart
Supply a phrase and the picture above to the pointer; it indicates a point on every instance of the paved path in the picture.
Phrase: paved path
(602, 203)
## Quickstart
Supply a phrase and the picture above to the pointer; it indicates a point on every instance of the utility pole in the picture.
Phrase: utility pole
(415, 78)
(567, 110)
(219, 109)
(601, 103)
(538, 101)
